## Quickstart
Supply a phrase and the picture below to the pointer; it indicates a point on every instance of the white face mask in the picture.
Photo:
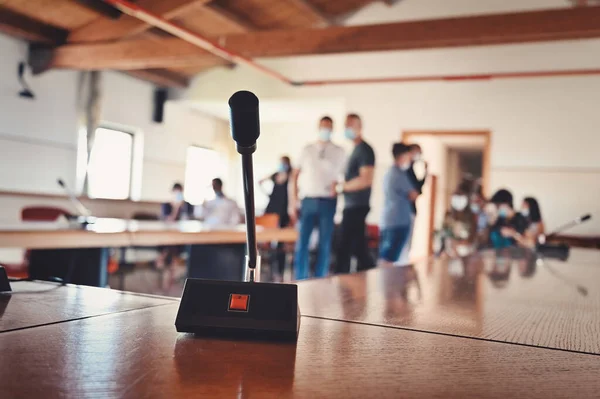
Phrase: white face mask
(459, 202)
(405, 166)
(525, 212)
(417, 157)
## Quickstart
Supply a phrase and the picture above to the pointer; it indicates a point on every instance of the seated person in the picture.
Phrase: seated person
(460, 223)
(531, 210)
(510, 225)
(399, 194)
(221, 211)
(178, 208)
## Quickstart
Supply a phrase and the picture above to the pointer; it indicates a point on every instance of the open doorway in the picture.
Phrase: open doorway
(451, 156)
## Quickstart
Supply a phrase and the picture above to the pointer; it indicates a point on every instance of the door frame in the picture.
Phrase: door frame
(408, 135)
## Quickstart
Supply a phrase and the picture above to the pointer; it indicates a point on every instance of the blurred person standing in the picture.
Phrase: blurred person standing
(278, 204)
(319, 169)
(399, 196)
(357, 193)
(417, 174)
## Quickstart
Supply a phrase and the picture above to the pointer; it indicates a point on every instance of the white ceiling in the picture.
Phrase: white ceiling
(407, 10)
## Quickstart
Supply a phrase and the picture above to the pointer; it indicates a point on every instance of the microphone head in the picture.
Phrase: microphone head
(244, 121)
(585, 218)
(61, 182)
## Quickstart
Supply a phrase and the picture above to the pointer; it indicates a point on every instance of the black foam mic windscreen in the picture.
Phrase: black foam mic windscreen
(245, 125)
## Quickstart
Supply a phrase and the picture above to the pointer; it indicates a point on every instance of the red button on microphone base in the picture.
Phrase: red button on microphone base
(238, 302)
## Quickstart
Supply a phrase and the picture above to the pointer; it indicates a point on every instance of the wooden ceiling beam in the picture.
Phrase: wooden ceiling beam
(510, 28)
(161, 77)
(27, 28)
(561, 24)
(103, 29)
(235, 20)
(309, 9)
(123, 55)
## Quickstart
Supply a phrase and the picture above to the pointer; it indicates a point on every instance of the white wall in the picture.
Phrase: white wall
(38, 138)
(545, 137)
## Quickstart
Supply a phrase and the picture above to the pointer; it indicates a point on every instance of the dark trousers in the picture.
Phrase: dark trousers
(353, 240)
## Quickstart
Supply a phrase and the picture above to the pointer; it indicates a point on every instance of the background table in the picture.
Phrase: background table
(81, 254)
(370, 334)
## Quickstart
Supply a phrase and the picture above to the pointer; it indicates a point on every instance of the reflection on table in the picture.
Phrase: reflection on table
(508, 297)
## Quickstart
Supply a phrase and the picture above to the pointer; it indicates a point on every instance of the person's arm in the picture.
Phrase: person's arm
(293, 199)
(365, 174)
(262, 181)
(362, 181)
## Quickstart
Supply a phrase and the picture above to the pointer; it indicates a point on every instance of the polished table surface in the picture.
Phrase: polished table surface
(523, 301)
(106, 232)
(386, 333)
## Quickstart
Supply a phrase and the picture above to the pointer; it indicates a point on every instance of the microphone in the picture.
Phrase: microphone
(560, 251)
(245, 130)
(249, 309)
(80, 209)
(244, 121)
(566, 226)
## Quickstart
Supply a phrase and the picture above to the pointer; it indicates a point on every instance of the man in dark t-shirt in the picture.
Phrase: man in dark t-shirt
(509, 223)
(356, 188)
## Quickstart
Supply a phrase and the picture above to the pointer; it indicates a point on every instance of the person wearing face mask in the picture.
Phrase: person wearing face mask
(510, 225)
(417, 174)
(177, 208)
(357, 193)
(278, 204)
(460, 228)
(530, 209)
(220, 211)
(319, 168)
(399, 193)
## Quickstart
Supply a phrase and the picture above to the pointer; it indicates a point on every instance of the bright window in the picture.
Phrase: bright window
(202, 165)
(109, 173)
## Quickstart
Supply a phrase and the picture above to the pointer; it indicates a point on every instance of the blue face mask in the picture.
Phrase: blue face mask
(350, 133)
(282, 168)
(179, 196)
(325, 134)
(475, 208)
(502, 212)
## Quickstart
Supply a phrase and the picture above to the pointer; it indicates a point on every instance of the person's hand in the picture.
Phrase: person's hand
(507, 232)
(333, 190)
(293, 211)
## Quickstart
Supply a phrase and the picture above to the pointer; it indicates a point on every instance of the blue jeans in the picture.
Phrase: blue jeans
(315, 212)
(392, 241)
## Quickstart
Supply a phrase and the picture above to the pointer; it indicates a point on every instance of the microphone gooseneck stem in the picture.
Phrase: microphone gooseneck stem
(248, 178)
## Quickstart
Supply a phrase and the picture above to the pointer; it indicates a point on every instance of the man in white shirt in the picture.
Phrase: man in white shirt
(319, 169)
(221, 211)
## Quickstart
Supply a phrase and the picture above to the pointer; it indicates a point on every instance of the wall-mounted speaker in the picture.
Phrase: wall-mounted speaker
(160, 98)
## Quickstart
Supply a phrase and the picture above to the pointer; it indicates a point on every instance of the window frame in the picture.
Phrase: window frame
(121, 129)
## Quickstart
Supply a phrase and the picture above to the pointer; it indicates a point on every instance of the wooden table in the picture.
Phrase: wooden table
(106, 232)
(87, 249)
(428, 331)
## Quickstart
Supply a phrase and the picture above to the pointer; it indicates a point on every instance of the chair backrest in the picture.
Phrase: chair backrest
(268, 220)
(372, 235)
(42, 213)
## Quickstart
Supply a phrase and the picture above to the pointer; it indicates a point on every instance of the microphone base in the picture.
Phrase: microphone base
(554, 251)
(4, 282)
(240, 310)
